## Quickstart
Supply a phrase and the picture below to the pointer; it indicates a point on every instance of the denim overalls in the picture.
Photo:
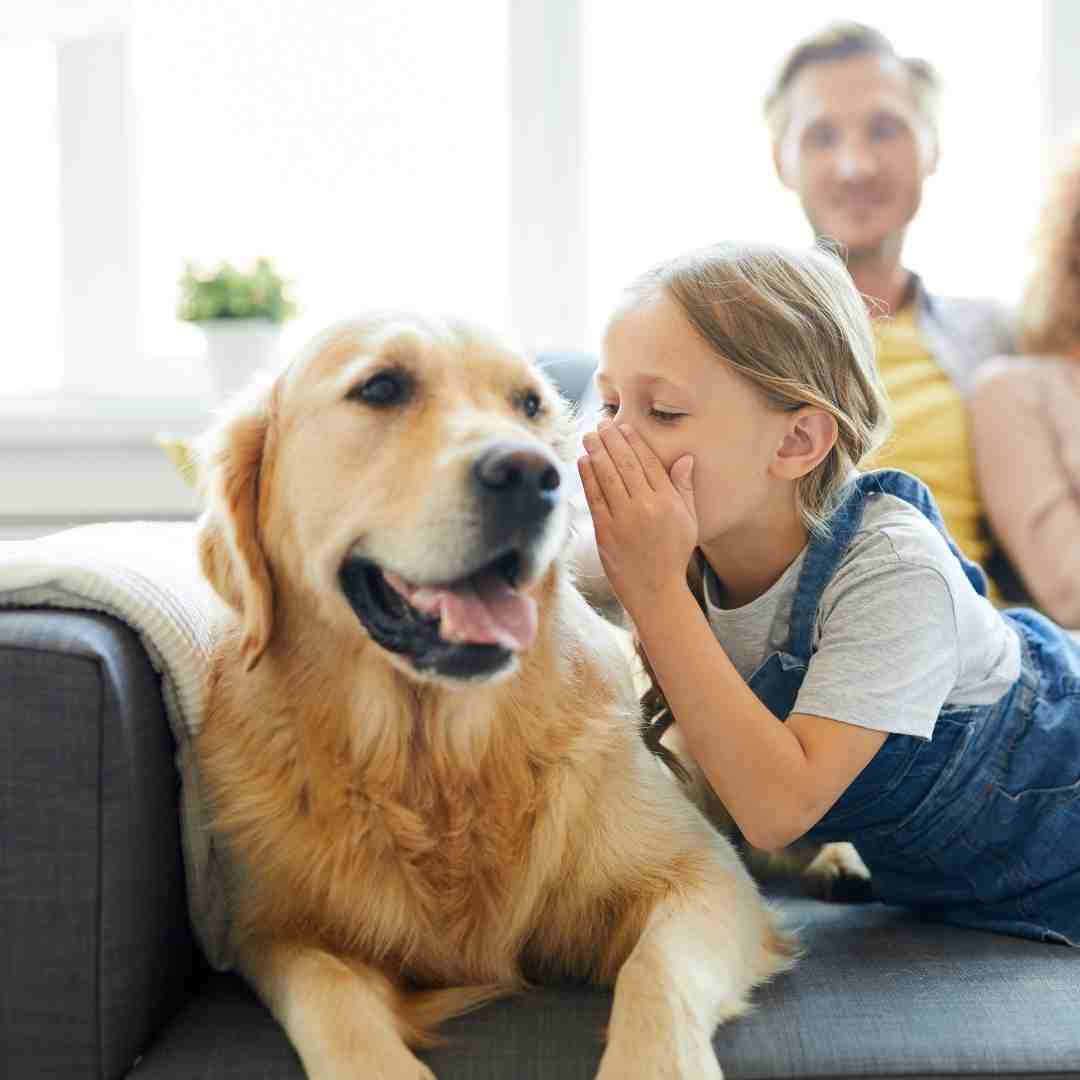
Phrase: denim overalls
(980, 825)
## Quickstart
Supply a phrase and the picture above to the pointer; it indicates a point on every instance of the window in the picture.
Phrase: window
(396, 152)
(363, 146)
(680, 156)
(29, 273)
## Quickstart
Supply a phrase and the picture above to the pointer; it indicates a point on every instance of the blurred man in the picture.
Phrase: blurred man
(855, 135)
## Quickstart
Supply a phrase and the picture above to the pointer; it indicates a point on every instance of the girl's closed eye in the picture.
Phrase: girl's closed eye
(664, 416)
(609, 409)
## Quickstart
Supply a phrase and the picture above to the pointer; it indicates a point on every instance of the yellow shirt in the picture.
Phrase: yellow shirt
(931, 436)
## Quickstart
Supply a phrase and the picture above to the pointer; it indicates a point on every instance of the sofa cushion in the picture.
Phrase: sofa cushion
(95, 948)
(879, 993)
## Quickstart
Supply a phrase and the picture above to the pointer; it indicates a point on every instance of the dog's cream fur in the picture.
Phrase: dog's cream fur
(408, 846)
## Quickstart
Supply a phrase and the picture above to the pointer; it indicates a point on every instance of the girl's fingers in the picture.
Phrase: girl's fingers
(624, 457)
(608, 477)
(593, 493)
(651, 466)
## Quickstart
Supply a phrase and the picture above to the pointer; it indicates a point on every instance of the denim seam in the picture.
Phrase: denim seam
(898, 778)
(941, 782)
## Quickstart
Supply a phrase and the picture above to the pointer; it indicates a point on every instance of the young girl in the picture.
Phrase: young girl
(1026, 416)
(829, 657)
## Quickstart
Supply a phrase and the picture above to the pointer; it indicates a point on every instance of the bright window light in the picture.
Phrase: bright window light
(365, 147)
(680, 156)
(362, 146)
(30, 359)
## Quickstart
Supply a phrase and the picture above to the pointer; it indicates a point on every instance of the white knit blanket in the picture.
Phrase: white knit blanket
(146, 574)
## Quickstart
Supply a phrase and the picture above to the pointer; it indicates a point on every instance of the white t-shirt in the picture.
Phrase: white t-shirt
(899, 633)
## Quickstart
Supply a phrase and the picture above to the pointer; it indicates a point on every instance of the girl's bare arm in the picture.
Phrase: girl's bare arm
(777, 780)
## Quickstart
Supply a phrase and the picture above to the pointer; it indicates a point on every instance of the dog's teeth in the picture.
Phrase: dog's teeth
(450, 633)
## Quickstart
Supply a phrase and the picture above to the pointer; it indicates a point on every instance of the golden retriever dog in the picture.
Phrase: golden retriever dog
(422, 748)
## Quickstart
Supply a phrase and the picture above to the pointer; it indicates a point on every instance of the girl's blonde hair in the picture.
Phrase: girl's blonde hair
(793, 324)
(1051, 310)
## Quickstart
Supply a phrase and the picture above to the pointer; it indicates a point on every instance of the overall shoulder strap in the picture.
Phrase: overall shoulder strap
(826, 551)
(822, 558)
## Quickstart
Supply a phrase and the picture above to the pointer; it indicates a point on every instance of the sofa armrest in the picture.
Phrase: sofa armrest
(96, 949)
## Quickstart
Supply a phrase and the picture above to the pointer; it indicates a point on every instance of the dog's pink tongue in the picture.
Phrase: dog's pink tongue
(483, 611)
(487, 611)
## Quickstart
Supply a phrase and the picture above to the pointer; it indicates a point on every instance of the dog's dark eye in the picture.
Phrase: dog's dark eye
(531, 403)
(386, 388)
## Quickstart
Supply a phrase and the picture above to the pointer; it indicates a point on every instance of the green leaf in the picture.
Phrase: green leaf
(229, 292)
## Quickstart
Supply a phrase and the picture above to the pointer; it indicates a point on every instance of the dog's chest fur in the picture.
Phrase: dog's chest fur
(401, 855)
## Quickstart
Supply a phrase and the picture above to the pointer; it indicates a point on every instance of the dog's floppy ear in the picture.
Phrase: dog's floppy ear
(234, 460)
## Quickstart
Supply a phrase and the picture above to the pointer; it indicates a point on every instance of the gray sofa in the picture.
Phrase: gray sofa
(100, 976)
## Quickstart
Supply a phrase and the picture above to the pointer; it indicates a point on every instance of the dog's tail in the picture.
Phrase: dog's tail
(420, 1012)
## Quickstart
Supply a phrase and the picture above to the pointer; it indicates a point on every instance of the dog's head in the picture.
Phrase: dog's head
(402, 479)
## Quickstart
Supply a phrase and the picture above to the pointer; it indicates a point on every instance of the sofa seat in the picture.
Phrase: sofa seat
(879, 994)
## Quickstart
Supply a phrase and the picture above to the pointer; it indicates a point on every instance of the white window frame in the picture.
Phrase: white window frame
(1061, 72)
(548, 257)
(77, 454)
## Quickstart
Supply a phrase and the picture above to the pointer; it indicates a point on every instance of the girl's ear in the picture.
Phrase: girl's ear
(230, 545)
(811, 433)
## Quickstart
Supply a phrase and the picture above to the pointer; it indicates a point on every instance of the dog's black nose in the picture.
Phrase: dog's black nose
(522, 480)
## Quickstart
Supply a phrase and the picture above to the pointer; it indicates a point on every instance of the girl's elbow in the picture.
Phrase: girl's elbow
(776, 833)
(781, 826)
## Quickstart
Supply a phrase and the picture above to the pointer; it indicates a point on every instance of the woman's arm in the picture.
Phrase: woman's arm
(777, 780)
(1027, 454)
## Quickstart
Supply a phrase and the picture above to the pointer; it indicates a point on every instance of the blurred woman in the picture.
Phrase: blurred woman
(1026, 416)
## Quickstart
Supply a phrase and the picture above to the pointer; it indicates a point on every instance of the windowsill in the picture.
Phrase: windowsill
(66, 459)
(68, 422)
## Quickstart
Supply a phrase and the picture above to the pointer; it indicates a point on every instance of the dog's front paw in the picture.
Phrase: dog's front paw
(655, 1059)
(408, 1070)
(380, 1067)
(365, 1059)
(838, 874)
(420, 1072)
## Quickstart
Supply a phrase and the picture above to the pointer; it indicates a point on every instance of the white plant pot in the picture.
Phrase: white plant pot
(237, 348)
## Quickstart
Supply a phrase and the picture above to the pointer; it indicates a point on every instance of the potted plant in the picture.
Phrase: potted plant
(240, 312)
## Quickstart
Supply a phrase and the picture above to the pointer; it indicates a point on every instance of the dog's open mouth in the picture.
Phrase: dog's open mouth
(465, 627)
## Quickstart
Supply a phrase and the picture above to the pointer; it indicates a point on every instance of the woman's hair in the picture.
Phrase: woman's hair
(794, 326)
(1051, 314)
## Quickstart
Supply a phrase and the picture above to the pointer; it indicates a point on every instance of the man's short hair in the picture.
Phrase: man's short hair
(838, 41)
